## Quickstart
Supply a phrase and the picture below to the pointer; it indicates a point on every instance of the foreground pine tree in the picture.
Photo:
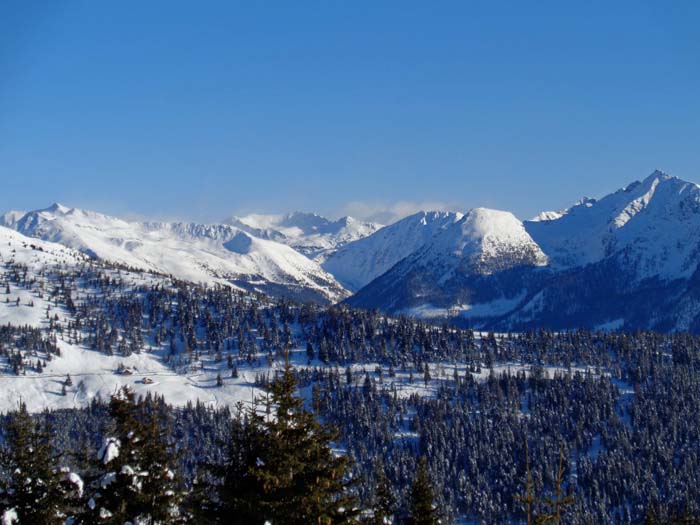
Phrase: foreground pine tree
(281, 468)
(384, 505)
(133, 480)
(422, 510)
(34, 488)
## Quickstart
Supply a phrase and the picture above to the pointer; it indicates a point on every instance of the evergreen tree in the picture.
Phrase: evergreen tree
(281, 468)
(384, 506)
(559, 503)
(422, 510)
(33, 486)
(133, 479)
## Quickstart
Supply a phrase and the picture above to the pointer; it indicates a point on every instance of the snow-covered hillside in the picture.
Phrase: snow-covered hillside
(629, 258)
(487, 241)
(360, 262)
(93, 373)
(655, 223)
(309, 233)
(36, 256)
(73, 328)
(482, 243)
(195, 252)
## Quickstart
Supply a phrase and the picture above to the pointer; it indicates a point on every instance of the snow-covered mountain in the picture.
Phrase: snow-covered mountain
(437, 276)
(655, 223)
(195, 252)
(362, 261)
(309, 233)
(629, 258)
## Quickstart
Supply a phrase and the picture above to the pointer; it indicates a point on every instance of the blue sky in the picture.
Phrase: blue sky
(202, 109)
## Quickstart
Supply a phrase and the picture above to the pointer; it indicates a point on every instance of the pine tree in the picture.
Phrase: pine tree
(133, 479)
(384, 505)
(422, 510)
(224, 490)
(33, 485)
(528, 499)
(560, 503)
(653, 515)
(281, 468)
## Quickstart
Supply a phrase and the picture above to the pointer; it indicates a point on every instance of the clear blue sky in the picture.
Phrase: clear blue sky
(201, 109)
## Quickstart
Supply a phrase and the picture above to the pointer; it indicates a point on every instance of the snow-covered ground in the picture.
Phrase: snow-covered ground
(193, 252)
(466, 311)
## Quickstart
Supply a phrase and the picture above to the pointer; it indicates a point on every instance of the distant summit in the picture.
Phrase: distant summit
(309, 233)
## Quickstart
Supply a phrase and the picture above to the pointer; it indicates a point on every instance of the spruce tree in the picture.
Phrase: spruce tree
(133, 478)
(281, 467)
(559, 503)
(422, 510)
(33, 486)
(384, 505)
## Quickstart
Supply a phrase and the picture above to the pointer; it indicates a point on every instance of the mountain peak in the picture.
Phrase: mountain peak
(490, 233)
(57, 207)
(660, 176)
(657, 173)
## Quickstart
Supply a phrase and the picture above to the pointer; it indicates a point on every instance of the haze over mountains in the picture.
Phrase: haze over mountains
(628, 259)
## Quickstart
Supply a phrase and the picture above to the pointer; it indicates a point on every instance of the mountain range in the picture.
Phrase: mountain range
(627, 260)
(206, 253)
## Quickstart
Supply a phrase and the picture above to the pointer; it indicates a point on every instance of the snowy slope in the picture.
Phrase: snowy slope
(309, 233)
(481, 243)
(36, 255)
(194, 252)
(654, 223)
(94, 373)
(547, 216)
(487, 241)
(629, 258)
(360, 262)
